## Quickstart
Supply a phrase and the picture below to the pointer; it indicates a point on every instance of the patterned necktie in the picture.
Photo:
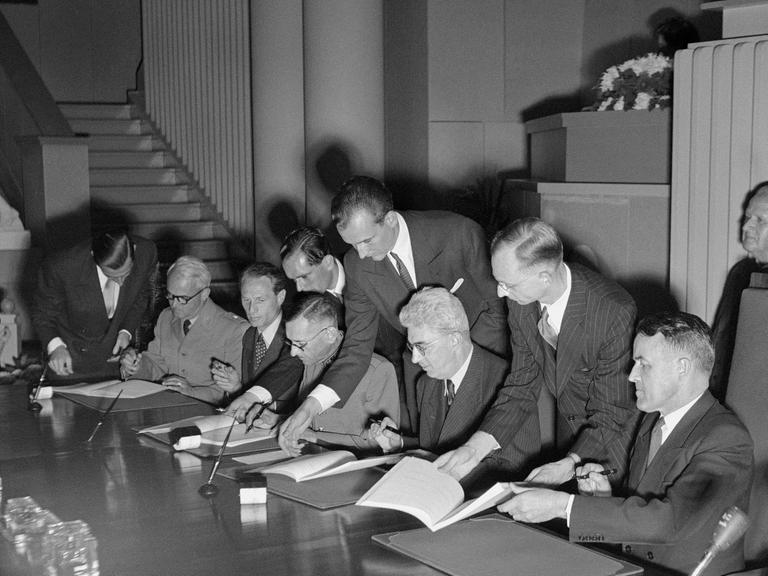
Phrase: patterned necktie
(259, 349)
(402, 271)
(655, 443)
(186, 326)
(451, 389)
(546, 330)
(110, 293)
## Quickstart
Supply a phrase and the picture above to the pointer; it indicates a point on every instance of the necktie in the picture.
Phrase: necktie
(259, 350)
(110, 297)
(402, 271)
(451, 389)
(655, 443)
(546, 330)
(186, 326)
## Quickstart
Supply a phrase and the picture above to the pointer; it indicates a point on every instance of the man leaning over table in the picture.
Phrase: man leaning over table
(189, 335)
(90, 300)
(571, 333)
(460, 379)
(691, 461)
(307, 260)
(312, 331)
(268, 371)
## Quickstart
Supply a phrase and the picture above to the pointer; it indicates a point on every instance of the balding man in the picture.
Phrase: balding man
(754, 238)
(189, 334)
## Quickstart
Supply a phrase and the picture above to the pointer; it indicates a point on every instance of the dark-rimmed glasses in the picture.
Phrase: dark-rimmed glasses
(422, 347)
(302, 344)
(182, 299)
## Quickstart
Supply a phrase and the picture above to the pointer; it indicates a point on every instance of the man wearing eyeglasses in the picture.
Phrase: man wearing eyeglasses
(314, 337)
(89, 302)
(190, 334)
(571, 332)
(460, 379)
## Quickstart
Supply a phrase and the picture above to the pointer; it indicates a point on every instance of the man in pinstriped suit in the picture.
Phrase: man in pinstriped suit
(571, 335)
(460, 380)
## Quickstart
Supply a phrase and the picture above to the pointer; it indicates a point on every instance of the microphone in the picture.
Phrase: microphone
(209, 489)
(731, 526)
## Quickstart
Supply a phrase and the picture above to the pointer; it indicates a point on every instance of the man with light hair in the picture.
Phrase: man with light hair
(460, 379)
(571, 334)
(189, 335)
(691, 461)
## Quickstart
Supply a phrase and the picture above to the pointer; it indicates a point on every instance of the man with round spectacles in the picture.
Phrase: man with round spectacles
(313, 335)
(191, 333)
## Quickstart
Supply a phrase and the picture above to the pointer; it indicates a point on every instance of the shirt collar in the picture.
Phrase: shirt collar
(458, 378)
(556, 310)
(403, 248)
(341, 281)
(268, 334)
(673, 418)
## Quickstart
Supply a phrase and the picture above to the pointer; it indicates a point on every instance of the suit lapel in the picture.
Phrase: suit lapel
(571, 338)
(90, 288)
(466, 397)
(430, 407)
(529, 325)
(640, 450)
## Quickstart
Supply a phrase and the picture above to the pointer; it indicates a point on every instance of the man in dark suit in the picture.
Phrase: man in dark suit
(571, 333)
(268, 370)
(90, 300)
(460, 379)
(395, 253)
(691, 461)
(754, 238)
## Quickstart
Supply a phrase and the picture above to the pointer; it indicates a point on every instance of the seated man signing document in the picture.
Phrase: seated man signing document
(691, 461)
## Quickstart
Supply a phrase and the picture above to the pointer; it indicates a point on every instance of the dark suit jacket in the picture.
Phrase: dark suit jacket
(595, 400)
(485, 375)
(702, 469)
(279, 372)
(69, 304)
(445, 247)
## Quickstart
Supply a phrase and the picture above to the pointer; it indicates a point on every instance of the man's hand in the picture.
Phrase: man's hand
(554, 473)
(129, 362)
(240, 406)
(536, 505)
(291, 429)
(595, 484)
(121, 343)
(266, 420)
(177, 384)
(460, 462)
(60, 361)
(388, 441)
(225, 376)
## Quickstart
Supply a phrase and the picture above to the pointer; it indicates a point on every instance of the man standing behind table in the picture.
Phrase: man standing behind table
(312, 329)
(691, 461)
(189, 335)
(571, 333)
(268, 370)
(395, 253)
(90, 300)
(307, 260)
(460, 379)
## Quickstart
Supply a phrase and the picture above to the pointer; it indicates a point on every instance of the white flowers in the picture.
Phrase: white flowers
(643, 83)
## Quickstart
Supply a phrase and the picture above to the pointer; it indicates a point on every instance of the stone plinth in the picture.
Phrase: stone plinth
(620, 147)
(741, 17)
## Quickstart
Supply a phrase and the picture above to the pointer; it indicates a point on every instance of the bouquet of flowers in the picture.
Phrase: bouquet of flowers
(643, 83)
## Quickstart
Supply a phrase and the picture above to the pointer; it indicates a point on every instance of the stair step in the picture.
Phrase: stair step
(163, 231)
(105, 111)
(136, 176)
(105, 126)
(142, 194)
(118, 142)
(129, 159)
(172, 212)
(169, 250)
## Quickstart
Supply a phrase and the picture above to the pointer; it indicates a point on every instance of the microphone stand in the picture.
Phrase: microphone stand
(33, 404)
(209, 489)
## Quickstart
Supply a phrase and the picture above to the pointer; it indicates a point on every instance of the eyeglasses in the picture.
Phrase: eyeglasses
(182, 299)
(302, 344)
(422, 347)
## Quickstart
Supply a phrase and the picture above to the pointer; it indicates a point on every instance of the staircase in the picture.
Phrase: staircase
(136, 181)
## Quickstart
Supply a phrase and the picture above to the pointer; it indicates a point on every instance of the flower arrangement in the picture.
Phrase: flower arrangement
(643, 83)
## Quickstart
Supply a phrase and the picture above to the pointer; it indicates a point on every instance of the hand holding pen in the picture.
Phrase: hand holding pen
(593, 479)
(386, 434)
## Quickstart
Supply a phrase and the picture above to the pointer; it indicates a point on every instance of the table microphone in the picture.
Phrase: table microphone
(731, 526)
(33, 404)
(210, 489)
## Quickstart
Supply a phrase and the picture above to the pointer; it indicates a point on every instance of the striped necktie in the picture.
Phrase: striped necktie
(655, 443)
(402, 271)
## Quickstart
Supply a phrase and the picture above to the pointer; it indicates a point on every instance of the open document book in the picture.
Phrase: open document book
(111, 388)
(325, 464)
(418, 488)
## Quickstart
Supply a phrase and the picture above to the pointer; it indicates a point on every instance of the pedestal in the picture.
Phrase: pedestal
(741, 17)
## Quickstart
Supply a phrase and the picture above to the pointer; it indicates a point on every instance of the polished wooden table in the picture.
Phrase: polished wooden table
(142, 504)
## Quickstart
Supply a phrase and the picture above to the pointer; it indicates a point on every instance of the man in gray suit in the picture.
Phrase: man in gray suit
(571, 333)
(460, 379)
(312, 331)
